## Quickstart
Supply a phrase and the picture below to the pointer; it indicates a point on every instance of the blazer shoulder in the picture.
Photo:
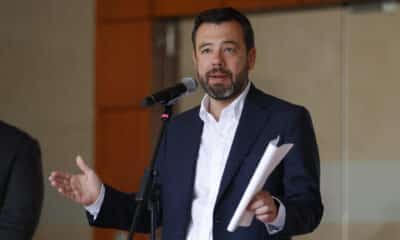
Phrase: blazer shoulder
(13, 136)
(278, 105)
(186, 116)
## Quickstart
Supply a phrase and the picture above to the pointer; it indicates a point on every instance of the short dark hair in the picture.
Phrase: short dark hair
(219, 15)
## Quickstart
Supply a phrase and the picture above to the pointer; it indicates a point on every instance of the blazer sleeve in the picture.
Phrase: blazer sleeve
(117, 211)
(301, 177)
(118, 207)
(23, 194)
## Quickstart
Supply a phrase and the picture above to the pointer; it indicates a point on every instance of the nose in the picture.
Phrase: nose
(217, 59)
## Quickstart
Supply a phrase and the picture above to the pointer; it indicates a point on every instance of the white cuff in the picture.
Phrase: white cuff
(95, 207)
(279, 222)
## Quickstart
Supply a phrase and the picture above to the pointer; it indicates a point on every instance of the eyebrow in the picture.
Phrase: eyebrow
(224, 42)
(204, 45)
(232, 42)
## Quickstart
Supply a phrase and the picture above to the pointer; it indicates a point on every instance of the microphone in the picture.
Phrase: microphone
(170, 95)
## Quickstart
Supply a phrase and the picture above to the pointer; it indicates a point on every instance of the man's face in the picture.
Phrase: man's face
(221, 59)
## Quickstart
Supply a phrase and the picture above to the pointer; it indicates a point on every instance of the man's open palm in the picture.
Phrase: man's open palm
(82, 188)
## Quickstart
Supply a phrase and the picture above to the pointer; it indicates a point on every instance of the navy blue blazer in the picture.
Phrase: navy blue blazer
(295, 181)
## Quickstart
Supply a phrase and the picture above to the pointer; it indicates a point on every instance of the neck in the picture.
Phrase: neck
(215, 107)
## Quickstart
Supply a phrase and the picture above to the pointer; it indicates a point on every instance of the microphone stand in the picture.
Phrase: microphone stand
(148, 196)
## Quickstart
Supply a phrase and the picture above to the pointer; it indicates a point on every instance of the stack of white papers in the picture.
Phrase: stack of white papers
(273, 155)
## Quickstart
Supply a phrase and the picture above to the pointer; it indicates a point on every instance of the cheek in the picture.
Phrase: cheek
(201, 67)
(236, 65)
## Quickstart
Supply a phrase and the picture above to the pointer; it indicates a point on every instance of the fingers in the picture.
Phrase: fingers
(264, 209)
(57, 174)
(263, 206)
(64, 183)
(72, 186)
(260, 199)
(82, 165)
(59, 179)
(266, 218)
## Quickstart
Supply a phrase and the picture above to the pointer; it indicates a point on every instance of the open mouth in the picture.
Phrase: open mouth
(218, 77)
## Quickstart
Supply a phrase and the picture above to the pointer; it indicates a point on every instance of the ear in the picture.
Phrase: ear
(194, 57)
(251, 58)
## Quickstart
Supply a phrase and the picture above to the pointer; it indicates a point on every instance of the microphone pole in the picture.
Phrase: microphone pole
(148, 198)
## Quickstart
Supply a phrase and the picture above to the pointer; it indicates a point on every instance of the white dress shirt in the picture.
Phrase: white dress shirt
(215, 145)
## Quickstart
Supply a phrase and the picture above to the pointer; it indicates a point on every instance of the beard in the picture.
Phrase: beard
(219, 91)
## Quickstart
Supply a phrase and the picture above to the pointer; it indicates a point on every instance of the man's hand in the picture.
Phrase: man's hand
(81, 188)
(264, 207)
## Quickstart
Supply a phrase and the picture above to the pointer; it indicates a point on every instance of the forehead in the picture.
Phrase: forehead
(225, 31)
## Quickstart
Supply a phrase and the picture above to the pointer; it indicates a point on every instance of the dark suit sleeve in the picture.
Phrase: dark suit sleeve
(22, 203)
(117, 212)
(302, 197)
(119, 207)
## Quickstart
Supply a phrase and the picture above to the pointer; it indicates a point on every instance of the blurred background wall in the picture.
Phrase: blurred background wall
(46, 89)
(342, 63)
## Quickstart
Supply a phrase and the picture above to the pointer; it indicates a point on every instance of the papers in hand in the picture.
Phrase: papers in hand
(273, 155)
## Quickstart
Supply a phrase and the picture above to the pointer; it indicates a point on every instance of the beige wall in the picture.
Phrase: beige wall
(46, 88)
(343, 66)
(373, 57)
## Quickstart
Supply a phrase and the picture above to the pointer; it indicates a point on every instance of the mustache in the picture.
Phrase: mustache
(219, 70)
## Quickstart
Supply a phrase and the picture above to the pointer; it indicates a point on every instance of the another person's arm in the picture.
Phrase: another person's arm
(23, 195)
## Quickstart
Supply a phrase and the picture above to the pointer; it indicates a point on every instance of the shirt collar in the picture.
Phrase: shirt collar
(234, 109)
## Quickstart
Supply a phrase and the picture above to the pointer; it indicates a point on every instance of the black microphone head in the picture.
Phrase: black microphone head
(170, 95)
(147, 102)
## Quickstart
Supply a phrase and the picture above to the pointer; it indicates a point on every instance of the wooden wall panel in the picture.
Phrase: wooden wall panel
(183, 7)
(123, 9)
(262, 5)
(123, 78)
(122, 147)
(124, 62)
(122, 153)
(258, 5)
(108, 234)
(319, 2)
(174, 8)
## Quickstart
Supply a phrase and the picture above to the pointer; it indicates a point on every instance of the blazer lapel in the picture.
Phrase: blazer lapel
(250, 125)
(189, 149)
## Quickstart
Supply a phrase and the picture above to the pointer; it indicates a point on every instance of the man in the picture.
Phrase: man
(209, 153)
(21, 184)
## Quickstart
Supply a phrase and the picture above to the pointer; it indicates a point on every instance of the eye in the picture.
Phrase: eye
(230, 50)
(205, 50)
